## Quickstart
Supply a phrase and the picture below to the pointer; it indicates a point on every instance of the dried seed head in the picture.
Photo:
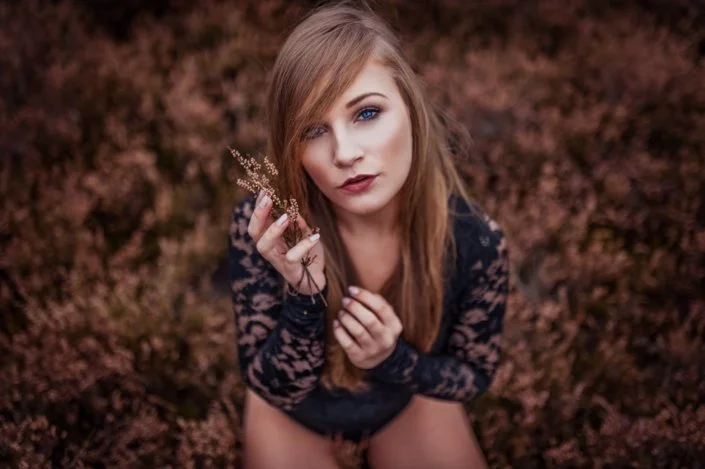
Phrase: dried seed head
(270, 167)
(257, 181)
(247, 185)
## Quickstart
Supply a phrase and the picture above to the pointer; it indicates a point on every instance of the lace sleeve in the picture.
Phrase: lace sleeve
(472, 352)
(279, 335)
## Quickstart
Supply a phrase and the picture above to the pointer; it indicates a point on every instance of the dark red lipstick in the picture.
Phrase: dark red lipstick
(358, 183)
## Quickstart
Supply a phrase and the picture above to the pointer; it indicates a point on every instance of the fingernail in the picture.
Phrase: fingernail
(282, 219)
(314, 236)
(265, 200)
(336, 323)
(346, 300)
(353, 290)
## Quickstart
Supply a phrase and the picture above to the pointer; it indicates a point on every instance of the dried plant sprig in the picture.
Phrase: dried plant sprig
(257, 181)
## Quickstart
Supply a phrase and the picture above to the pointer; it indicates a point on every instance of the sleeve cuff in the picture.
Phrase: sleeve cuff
(399, 367)
(305, 308)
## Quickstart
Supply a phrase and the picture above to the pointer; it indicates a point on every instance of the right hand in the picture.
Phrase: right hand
(267, 235)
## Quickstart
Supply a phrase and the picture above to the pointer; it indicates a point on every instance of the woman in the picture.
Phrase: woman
(413, 274)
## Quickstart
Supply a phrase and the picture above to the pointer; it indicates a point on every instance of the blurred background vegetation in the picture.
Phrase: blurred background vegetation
(116, 188)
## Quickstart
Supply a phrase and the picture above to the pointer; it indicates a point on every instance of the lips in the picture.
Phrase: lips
(356, 179)
(359, 184)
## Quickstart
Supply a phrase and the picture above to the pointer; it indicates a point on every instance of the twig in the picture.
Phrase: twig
(257, 181)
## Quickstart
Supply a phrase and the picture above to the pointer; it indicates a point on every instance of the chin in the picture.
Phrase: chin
(364, 205)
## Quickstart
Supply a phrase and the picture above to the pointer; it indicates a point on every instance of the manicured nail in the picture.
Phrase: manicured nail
(353, 290)
(336, 323)
(346, 300)
(314, 236)
(282, 219)
(265, 200)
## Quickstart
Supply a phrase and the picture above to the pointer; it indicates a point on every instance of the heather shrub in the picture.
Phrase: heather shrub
(116, 187)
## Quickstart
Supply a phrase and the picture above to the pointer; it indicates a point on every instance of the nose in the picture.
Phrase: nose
(347, 149)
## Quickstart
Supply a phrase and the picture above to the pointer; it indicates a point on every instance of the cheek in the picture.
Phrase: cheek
(398, 141)
(314, 164)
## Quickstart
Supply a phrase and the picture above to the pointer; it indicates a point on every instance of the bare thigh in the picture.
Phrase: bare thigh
(428, 433)
(273, 440)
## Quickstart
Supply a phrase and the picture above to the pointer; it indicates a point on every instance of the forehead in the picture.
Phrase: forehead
(374, 77)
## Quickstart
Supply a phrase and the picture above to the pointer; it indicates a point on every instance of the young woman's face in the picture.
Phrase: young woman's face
(367, 131)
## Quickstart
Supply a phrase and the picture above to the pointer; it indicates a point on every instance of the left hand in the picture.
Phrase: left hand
(367, 328)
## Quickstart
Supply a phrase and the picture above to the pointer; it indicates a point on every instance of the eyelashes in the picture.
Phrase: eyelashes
(312, 132)
(370, 111)
(367, 113)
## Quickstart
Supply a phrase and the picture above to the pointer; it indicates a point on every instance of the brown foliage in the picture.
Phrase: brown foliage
(116, 188)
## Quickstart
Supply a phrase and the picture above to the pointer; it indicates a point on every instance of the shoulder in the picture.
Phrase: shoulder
(241, 214)
(240, 242)
(245, 207)
(480, 240)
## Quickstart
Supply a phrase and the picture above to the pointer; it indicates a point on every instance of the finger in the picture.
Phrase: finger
(271, 238)
(302, 248)
(364, 316)
(260, 194)
(356, 330)
(303, 226)
(377, 304)
(260, 219)
(345, 340)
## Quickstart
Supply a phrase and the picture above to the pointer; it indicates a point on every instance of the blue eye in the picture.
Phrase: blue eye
(316, 131)
(368, 113)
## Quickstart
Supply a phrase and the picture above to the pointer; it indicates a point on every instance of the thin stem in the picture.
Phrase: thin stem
(257, 181)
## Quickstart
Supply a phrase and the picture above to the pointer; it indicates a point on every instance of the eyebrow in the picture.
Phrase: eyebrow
(354, 101)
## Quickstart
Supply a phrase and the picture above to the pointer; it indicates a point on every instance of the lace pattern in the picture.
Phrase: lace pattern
(279, 335)
(471, 354)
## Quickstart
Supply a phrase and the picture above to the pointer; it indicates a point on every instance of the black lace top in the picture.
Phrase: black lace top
(280, 336)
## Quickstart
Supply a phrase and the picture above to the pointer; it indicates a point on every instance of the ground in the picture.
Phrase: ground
(116, 189)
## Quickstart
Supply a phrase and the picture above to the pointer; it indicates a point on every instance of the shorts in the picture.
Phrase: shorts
(352, 416)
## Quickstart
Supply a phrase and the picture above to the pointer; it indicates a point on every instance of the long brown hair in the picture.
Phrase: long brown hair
(318, 62)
